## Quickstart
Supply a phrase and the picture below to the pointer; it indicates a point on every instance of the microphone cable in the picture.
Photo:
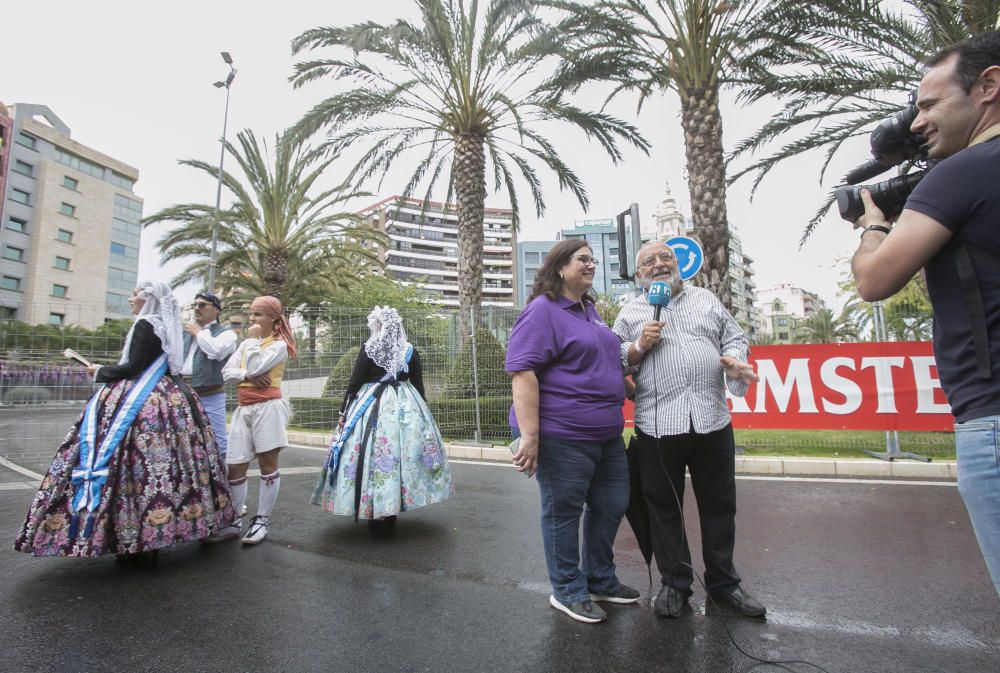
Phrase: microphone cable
(761, 661)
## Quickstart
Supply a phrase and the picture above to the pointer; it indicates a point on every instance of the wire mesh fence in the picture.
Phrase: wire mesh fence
(41, 394)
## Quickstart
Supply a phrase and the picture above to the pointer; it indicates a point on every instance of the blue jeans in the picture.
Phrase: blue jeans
(215, 408)
(978, 445)
(581, 478)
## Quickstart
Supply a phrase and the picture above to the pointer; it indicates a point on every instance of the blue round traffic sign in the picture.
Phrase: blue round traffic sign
(689, 255)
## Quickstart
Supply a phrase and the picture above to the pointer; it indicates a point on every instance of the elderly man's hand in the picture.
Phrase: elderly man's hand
(737, 370)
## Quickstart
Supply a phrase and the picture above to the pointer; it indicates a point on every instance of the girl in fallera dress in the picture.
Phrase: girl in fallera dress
(388, 456)
(140, 469)
(258, 427)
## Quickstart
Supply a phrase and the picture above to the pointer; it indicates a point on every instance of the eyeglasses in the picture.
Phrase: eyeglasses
(202, 304)
(587, 259)
(666, 257)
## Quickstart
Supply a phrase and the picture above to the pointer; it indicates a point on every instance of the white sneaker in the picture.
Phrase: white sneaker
(228, 533)
(258, 530)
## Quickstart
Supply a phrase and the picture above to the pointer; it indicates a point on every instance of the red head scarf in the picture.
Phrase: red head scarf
(271, 307)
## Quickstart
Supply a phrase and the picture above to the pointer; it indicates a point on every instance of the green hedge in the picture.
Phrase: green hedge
(455, 418)
(340, 375)
(492, 378)
(315, 413)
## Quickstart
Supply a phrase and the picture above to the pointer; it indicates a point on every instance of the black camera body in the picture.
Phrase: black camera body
(892, 144)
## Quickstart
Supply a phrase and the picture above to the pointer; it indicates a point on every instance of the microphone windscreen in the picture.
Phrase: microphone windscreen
(659, 293)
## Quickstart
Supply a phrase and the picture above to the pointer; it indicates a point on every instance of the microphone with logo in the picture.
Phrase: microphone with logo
(659, 297)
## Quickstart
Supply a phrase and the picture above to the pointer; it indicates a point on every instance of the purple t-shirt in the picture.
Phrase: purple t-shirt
(577, 360)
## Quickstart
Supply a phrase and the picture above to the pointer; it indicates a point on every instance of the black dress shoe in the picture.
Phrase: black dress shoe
(669, 602)
(742, 603)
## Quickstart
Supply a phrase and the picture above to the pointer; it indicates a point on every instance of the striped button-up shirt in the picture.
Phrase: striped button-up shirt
(680, 382)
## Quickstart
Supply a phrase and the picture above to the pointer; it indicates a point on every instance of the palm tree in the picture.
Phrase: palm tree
(908, 314)
(684, 46)
(281, 236)
(462, 89)
(843, 66)
(822, 328)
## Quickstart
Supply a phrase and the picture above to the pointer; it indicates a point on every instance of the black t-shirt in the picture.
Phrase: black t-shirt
(963, 194)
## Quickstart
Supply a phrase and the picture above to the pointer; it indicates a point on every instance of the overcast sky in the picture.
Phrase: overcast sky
(134, 80)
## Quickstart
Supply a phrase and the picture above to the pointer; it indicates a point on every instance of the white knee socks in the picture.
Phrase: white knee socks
(239, 491)
(269, 486)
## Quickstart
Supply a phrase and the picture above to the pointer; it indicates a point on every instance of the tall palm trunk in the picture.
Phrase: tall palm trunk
(469, 176)
(702, 124)
(275, 272)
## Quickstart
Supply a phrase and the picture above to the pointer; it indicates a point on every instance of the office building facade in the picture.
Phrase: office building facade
(69, 244)
(530, 257)
(423, 249)
(602, 237)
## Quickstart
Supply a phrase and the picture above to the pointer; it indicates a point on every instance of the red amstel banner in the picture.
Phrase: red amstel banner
(853, 386)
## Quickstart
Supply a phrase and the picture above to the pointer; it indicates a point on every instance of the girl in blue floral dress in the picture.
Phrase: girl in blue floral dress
(388, 456)
(140, 469)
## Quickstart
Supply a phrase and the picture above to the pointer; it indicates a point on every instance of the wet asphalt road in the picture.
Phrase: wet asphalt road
(856, 577)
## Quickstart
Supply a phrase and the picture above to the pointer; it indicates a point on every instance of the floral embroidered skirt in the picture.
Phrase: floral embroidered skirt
(401, 455)
(166, 484)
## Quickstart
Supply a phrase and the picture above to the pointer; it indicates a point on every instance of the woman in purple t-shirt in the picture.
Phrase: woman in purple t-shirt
(568, 383)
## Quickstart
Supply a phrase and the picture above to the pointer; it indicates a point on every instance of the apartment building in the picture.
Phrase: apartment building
(781, 306)
(69, 243)
(423, 248)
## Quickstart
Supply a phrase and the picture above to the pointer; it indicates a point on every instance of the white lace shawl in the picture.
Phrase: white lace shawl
(162, 312)
(387, 344)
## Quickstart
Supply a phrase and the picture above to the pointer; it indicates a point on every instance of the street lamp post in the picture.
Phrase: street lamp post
(222, 157)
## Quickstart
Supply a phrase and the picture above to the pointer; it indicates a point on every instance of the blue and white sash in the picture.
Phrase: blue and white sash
(356, 413)
(92, 471)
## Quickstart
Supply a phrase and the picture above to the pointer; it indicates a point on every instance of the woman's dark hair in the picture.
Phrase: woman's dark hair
(547, 280)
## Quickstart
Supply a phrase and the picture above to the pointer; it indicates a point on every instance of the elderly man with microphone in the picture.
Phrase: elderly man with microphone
(683, 348)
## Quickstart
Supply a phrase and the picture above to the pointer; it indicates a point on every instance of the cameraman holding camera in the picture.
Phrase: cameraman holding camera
(950, 227)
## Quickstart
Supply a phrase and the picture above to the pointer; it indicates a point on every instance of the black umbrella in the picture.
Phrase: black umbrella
(638, 511)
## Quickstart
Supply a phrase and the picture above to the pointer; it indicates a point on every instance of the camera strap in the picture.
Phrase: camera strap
(974, 303)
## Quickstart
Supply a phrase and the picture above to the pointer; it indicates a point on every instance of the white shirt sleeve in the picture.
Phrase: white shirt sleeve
(258, 361)
(231, 371)
(218, 347)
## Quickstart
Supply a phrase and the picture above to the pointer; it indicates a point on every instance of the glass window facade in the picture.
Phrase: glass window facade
(116, 303)
(56, 318)
(67, 209)
(20, 196)
(70, 183)
(11, 283)
(61, 263)
(13, 254)
(24, 168)
(93, 170)
(59, 290)
(65, 236)
(17, 224)
(80, 164)
(27, 140)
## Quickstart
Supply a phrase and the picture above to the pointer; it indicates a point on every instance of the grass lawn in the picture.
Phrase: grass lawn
(838, 443)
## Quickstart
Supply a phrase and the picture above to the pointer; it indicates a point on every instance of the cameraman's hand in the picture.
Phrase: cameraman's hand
(873, 214)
